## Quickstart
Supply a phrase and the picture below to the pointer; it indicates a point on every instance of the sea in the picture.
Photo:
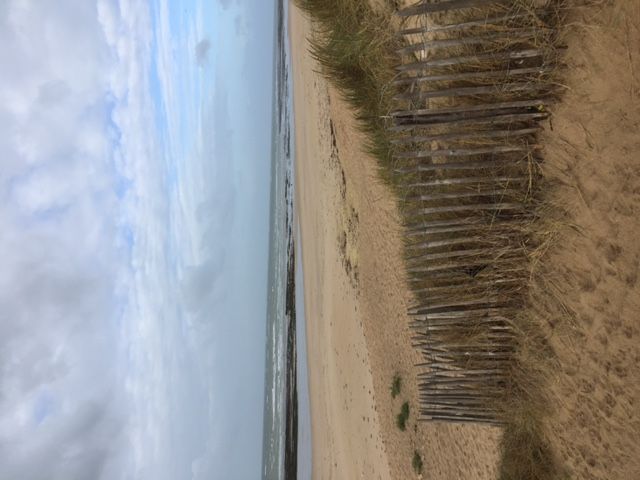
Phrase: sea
(287, 427)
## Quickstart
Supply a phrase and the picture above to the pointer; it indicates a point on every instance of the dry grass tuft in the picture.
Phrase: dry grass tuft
(355, 46)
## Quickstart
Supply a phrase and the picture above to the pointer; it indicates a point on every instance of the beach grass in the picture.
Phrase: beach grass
(417, 463)
(403, 417)
(356, 47)
(396, 385)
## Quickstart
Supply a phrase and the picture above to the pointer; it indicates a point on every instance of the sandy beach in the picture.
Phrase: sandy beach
(592, 153)
(356, 299)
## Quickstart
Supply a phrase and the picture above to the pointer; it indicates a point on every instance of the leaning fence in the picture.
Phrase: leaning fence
(474, 83)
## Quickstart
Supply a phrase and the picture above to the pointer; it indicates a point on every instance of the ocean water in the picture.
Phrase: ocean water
(286, 407)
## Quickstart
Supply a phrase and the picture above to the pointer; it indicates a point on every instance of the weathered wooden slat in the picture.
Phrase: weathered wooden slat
(447, 371)
(463, 296)
(465, 152)
(456, 322)
(464, 265)
(446, 5)
(434, 197)
(470, 282)
(527, 118)
(477, 22)
(449, 401)
(429, 257)
(467, 264)
(438, 227)
(500, 88)
(461, 384)
(446, 62)
(462, 412)
(448, 325)
(472, 354)
(472, 207)
(455, 390)
(494, 163)
(438, 182)
(449, 242)
(435, 44)
(468, 136)
(442, 349)
(436, 112)
(456, 398)
(437, 277)
(501, 227)
(468, 379)
(488, 301)
(466, 419)
(431, 355)
(471, 420)
(474, 75)
(466, 413)
(431, 343)
(478, 409)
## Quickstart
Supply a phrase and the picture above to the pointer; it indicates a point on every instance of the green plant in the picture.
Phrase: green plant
(417, 463)
(355, 45)
(396, 385)
(403, 416)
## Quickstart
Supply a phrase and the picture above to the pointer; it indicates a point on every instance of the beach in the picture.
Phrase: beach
(356, 302)
(358, 337)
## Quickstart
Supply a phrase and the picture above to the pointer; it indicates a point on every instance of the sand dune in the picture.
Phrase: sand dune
(356, 299)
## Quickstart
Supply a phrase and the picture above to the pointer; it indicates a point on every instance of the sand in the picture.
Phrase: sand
(355, 301)
(346, 435)
(356, 298)
(593, 148)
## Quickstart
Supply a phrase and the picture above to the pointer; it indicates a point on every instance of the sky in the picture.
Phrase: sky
(134, 187)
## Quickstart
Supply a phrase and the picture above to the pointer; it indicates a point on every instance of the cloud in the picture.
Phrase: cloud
(240, 25)
(60, 264)
(202, 51)
(128, 218)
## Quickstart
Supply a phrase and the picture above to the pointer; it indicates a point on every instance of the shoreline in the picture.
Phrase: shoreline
(291, 380)
(280, 431)
(346, 440)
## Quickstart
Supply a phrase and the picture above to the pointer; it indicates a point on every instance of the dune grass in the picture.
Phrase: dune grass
(396, 386)
(356, 48)
(416, 462)
(354, 44)
(403, 417)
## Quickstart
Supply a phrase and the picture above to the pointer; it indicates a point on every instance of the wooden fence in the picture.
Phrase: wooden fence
(474, 84)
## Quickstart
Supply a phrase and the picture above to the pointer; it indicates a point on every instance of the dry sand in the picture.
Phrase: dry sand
(593, 148)
(356, 299)
(355, 303)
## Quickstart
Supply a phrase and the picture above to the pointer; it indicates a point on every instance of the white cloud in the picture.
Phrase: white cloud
(127, 247)
(60, 265)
